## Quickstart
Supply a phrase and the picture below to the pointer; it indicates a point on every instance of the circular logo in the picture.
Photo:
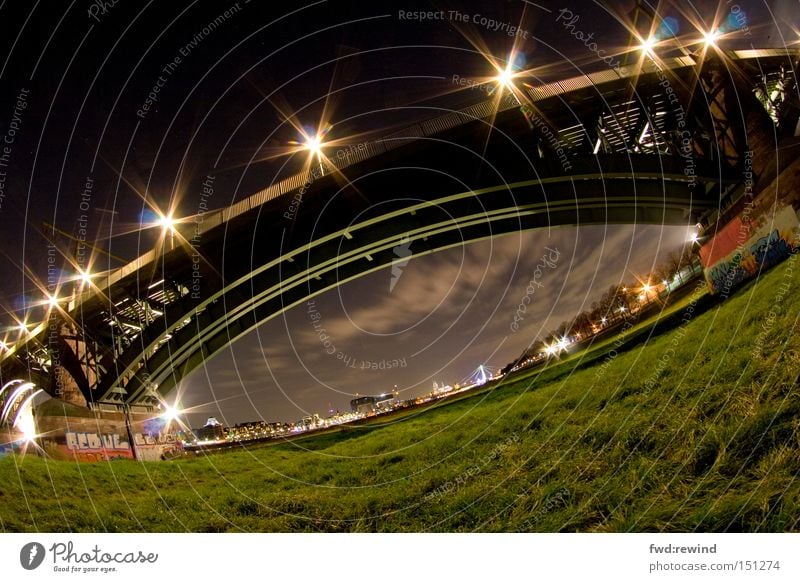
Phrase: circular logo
(31, 555)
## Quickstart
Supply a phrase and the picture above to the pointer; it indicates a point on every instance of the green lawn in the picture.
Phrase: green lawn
(695, 429)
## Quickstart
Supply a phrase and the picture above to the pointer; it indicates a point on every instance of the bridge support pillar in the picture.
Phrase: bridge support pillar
(744, 133)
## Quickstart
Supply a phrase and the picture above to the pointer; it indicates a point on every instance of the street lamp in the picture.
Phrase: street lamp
(711, 37)
(170, 413)
(504, 77)
(314, 145)
(647, 45)
(167, 223)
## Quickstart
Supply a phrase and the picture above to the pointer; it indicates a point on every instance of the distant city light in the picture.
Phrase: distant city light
(86, 277)
(647, 288)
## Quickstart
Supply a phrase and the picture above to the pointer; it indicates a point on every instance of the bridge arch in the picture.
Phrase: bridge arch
(149, 323)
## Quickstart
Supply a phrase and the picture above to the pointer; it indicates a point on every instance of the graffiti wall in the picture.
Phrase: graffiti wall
(68, 432)
(744, 247)
(104, 437)
(93, 446)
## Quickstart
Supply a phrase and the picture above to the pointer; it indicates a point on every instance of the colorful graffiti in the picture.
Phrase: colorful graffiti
(767, 243)
(92, 446)
(90, 441)
(727, 240)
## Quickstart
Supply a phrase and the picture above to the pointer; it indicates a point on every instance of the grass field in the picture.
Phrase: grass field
(695, 429)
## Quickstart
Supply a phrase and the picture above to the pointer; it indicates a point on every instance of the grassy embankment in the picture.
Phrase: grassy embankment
(694, 429)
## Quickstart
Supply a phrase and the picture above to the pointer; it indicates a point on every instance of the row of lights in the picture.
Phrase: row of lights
(505, 79)
(563, 343)
(165, 221)
(709, 40)
(314, 145)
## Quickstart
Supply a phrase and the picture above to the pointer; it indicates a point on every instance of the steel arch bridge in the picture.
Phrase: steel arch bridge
(661, 144)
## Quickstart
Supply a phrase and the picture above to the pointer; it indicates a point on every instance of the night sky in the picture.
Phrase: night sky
(75, 92)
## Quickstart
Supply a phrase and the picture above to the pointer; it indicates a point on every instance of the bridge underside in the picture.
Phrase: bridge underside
(354, 229)
(630, 156)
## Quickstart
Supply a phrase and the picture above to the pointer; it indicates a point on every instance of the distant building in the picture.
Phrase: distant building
(370, 404)
(212, 431)
(363, 404)
(311, 422)
(385, 401)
